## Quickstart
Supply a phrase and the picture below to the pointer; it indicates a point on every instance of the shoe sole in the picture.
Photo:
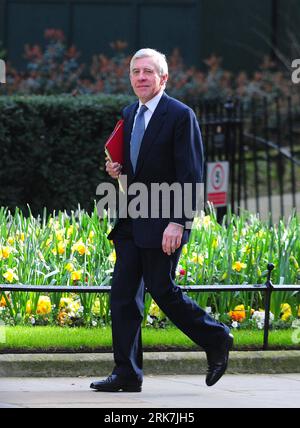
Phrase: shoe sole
(121, 389)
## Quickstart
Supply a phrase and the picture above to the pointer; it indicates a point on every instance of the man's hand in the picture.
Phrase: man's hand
(113, 168)
(172, 238)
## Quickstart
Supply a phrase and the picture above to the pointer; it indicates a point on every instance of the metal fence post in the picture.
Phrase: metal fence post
(268, 293)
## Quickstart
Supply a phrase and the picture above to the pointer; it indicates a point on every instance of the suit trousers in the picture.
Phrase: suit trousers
(137, 269)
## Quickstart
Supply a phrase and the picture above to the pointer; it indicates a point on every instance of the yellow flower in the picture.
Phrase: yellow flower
(60, 234)
(96, 307)
(20, 236)
(61, 248)
(10, 275)
(5, 252)
(91, 235)
(260, 234)
(298, 311)
(64, 302)
(184, 249)
(286, 311)
(206, 221)
(155, 311)
(246, 249)
(76, 275)
(11, 240)
(238, 314)
(3, 303)
(238, 266)
(197, 258)
(70, 231)
(70, 267)
(112, 257)
(28, 307)
(81, 248)
(215, 243)
(44, 305)
(48, 242)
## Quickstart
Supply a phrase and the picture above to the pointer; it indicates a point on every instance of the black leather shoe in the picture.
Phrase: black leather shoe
(217, 359)
(115, 383)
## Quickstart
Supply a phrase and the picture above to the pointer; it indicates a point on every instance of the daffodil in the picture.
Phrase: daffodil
(11, 240)
(76, 275)
(91, 235)
(206, 221)
(44, 305)
(286, 311)
(59, 234)
(112, 257)
(184, 250)
(197, 258)
(81, 248)
(70, 231)
(70, 267)
(10, 275)
(61, 248)
(238, 266)
(5, 252)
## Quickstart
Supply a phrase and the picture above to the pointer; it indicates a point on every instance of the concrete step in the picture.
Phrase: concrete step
(155, 363)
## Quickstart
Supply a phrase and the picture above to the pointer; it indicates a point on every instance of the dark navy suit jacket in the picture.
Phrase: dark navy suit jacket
(171, 152)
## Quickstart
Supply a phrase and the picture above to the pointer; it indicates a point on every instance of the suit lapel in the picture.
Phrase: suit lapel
(153, 128)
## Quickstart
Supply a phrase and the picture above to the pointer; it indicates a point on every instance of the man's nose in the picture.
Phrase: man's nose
(141, 76)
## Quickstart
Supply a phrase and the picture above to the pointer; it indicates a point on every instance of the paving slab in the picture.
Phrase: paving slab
(232, 391)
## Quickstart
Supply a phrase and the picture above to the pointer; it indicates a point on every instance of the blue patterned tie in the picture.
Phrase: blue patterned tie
(137, 136)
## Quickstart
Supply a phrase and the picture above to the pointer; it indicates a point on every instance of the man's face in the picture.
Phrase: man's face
(145, 79)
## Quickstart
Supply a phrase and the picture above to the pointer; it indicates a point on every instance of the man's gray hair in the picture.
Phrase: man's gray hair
(158, 57)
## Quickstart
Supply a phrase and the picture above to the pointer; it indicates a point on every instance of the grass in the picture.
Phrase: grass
(57, 339)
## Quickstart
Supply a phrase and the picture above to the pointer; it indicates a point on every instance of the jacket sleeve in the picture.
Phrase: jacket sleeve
(189, 166)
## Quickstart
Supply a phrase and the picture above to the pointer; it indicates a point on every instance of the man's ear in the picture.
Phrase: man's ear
(164, 79)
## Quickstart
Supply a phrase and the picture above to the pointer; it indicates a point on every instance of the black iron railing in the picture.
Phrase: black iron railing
(268, 288)
(260, 139)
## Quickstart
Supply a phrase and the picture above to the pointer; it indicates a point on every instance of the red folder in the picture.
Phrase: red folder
(114, 145)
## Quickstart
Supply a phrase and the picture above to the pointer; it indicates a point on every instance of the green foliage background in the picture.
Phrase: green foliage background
(52, 149)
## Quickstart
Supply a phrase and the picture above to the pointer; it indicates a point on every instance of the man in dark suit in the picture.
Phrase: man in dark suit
(162, 144)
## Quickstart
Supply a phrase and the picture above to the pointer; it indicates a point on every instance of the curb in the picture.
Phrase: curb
(155, 363)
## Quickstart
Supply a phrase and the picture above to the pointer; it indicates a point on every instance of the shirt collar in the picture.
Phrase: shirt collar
(152, 104)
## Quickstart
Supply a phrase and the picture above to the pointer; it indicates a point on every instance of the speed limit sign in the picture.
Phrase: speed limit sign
(217, 183)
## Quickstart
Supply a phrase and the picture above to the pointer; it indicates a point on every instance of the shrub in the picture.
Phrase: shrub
(51, 151)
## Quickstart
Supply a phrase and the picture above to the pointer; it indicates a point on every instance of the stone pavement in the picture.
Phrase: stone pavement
(232, 391)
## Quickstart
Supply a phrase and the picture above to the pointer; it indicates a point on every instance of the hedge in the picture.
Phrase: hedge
(52, 149)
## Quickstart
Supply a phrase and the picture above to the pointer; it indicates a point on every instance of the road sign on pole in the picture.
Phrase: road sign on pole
(217, 183)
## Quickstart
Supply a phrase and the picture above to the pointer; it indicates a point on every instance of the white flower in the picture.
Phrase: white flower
(208, 309)
(296, 324)
(94, 323)
(149, 319)
(234, 324)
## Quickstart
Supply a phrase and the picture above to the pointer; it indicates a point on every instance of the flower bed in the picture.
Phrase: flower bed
(72, 249)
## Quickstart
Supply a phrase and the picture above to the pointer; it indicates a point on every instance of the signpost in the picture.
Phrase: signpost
(217, 183)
